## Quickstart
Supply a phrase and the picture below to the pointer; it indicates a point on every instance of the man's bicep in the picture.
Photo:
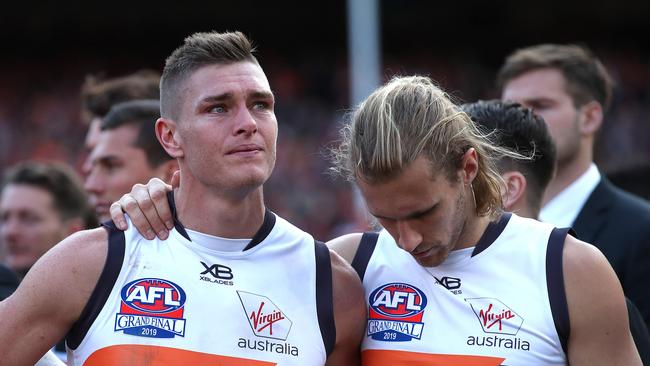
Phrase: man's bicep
(600, 333)
(51, 297)
(349, 313)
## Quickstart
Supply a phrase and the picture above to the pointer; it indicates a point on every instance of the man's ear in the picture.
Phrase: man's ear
(167, 134)
(592, 118)
(469, 166)
(515, 189)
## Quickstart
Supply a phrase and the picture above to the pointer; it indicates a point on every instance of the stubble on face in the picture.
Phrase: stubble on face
(456, 227)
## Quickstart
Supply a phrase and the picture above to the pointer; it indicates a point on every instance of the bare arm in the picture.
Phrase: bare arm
(600, 333)
(51, 297)
(349, 313)
(147, 207)
(49, 359)
(346, 246)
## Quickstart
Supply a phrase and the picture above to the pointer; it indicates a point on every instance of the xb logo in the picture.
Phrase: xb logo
(450, 283)
(218, 271)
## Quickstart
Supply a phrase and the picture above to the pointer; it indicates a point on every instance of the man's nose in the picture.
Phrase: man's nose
(409, 238)
(246, 122)
(93, 183)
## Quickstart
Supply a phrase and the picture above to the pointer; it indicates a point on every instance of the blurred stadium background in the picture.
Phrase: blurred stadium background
(49, 48)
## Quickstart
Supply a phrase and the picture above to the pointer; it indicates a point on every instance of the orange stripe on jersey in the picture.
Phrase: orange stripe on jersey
(373, 357)
(142, 355)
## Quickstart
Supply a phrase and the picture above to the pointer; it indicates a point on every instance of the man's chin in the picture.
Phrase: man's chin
(433, 260)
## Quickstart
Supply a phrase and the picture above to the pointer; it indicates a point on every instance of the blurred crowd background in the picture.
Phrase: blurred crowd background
(49, 49)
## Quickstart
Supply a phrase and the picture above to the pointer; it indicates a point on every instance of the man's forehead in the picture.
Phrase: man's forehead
(218, 79)
(25, 196)
(535, 84)
(113, 140)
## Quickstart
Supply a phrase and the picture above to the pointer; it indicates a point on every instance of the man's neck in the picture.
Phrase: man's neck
(220, 215)
(472, 232)
(567, 174)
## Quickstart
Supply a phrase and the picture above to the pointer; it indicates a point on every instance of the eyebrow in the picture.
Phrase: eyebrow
(412, 215)
(228, 95)
(103, 160)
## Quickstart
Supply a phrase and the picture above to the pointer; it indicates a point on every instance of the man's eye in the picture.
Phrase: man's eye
(218, 109)
(261, 105)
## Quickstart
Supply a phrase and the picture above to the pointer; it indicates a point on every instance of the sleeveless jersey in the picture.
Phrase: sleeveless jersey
(497, 303)
(174, 302)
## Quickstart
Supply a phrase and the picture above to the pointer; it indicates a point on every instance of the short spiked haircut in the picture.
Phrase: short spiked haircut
(517, 128)
(199, 50)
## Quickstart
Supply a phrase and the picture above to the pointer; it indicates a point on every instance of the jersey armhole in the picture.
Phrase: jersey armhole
(555, 285)
(101, 292)
(324, 296)
(364, 252)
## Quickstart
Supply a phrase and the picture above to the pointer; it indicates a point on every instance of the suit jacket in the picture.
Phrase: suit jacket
(618, 223)
(639, 332)
(8, 282)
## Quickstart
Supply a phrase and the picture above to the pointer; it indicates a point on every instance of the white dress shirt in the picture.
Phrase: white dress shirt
(563, 209)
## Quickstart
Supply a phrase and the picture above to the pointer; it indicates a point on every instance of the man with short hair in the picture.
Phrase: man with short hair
(40, 204)
(127, 152)
(98, 95)
(233, 284)
(571, 89)
(510, 125)
(452, 279)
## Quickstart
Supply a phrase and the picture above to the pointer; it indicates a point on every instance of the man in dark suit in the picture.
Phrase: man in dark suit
(571, 90)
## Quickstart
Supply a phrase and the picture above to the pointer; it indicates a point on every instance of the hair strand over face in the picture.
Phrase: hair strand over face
(409, 117)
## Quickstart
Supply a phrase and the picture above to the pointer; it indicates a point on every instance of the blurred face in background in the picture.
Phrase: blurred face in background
(116, 165)
(545, 91)
(92, 137)
(29, 225)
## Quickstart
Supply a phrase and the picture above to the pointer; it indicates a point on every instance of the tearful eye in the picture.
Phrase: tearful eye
(261, 106)
(218, 109)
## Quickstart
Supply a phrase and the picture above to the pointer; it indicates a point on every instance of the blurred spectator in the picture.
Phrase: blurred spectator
(40, 204)
(510, 125)
(571, 89)
(98, 96)
(127, 152)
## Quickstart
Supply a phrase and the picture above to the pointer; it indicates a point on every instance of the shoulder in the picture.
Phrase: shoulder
(597, 312)
(345, 246)
(590, 282)
(580, 256)
(349, 305)
(343, 272)
(347, 290)
(63, 279)
(628, 202)
(82, 249)
(78, 260)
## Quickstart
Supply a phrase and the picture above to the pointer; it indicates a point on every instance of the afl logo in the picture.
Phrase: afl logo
(398, 300)
(395, 313)
(153, 296)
